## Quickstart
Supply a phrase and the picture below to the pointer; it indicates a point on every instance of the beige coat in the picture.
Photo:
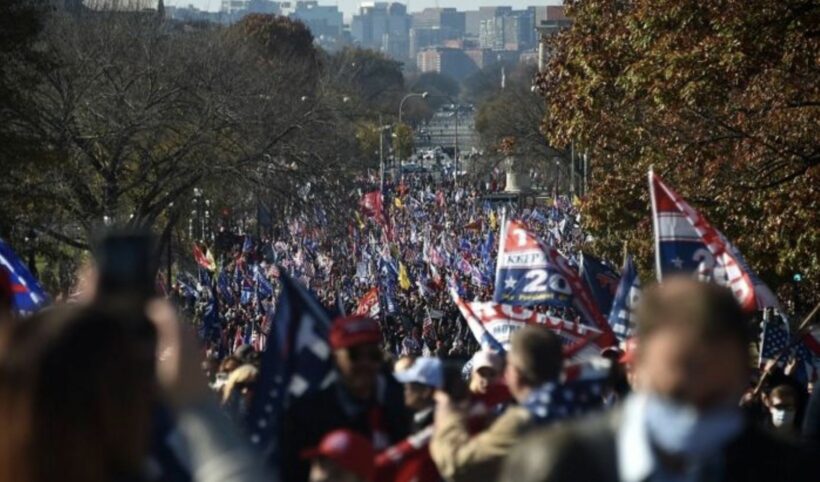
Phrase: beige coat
(464, 458)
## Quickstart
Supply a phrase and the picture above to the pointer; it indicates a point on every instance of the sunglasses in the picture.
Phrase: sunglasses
(372, 354)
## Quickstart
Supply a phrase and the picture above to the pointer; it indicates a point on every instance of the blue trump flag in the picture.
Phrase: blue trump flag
(223, 284)
(28, 295)
(263, 286)
(487, 255)
(296, 361)
(525, 273)
(601, 280)
(247, 244)
(685, 242)
(530, 273)
(626, 298)
(210, 319)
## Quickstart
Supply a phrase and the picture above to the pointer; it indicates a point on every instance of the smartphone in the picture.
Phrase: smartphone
(127, 266)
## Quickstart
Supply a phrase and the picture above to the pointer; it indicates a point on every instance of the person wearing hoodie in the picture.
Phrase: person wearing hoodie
(534, 364)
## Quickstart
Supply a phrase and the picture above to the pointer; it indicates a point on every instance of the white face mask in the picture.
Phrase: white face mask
(782, 417)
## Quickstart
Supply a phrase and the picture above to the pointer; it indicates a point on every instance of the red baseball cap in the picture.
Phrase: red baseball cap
(347, 449)
(354, 330)
(629, 351)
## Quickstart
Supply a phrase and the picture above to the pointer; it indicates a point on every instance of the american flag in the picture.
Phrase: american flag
(774, 337)
(296, 362)
(580, 392)
(807, 354)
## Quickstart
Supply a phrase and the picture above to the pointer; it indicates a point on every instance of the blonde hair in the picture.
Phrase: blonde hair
(244, 374)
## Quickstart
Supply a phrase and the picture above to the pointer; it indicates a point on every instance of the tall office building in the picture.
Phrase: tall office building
(324, 22)
(472, 23)
(383, 26)
(237, 8)
(501, 28)
(454, 63)
(423, 37)
(433, 27)
(491, 33)
(441, 18)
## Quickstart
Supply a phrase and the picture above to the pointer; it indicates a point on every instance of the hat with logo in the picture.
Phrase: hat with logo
(348, 450)
(350, 331)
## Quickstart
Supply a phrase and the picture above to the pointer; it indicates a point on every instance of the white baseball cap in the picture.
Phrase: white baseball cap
(425, 371)
(484, 358)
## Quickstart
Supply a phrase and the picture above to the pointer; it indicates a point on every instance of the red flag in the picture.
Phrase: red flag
(372, 206)
(206, 260)
(475, 225)
(368, 304)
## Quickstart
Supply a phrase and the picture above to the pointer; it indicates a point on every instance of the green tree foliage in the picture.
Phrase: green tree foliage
(20, 23)
(373, 82)
(516, 112)
(722, 97)
(485, 83)
(441, 88)
(132, 113)
(367, 138)
(402, 141)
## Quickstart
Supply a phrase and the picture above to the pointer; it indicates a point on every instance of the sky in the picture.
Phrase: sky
(350, 7)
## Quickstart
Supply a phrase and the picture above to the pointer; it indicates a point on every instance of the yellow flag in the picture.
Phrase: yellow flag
(404, 280)
(359, 220)
(398, 203)
(493, 220)
(576, 201)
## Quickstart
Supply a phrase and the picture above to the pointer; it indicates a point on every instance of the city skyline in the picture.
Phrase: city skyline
(351, 7)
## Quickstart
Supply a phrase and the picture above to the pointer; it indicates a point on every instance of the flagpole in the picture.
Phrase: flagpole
(655, 224)
(785, 349)
(381, 156)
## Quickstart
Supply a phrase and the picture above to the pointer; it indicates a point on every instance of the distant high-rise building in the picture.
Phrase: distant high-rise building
(424, 37)
(501, 28)
(548, 12)
(324, 22)
(549, 22)
(491, 33)
(434, 26)
(519, 30)
(235, 7)
(383, 26)
(486, 13)
(442, 18)
(481, 57)
(472, 23)
(124, 6)
(452, 62)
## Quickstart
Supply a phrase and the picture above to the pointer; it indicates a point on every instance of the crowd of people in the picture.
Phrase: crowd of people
(123, 390)
(398, 261)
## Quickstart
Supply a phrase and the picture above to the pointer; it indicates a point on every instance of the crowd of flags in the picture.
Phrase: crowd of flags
(518, 249)
(524, 268)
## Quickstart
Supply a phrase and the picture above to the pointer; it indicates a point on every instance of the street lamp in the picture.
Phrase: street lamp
(423, 95)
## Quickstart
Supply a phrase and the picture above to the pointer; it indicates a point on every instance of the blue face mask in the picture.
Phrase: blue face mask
(683, 430)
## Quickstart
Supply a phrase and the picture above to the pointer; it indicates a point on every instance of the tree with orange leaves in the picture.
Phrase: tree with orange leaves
(722, 97)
